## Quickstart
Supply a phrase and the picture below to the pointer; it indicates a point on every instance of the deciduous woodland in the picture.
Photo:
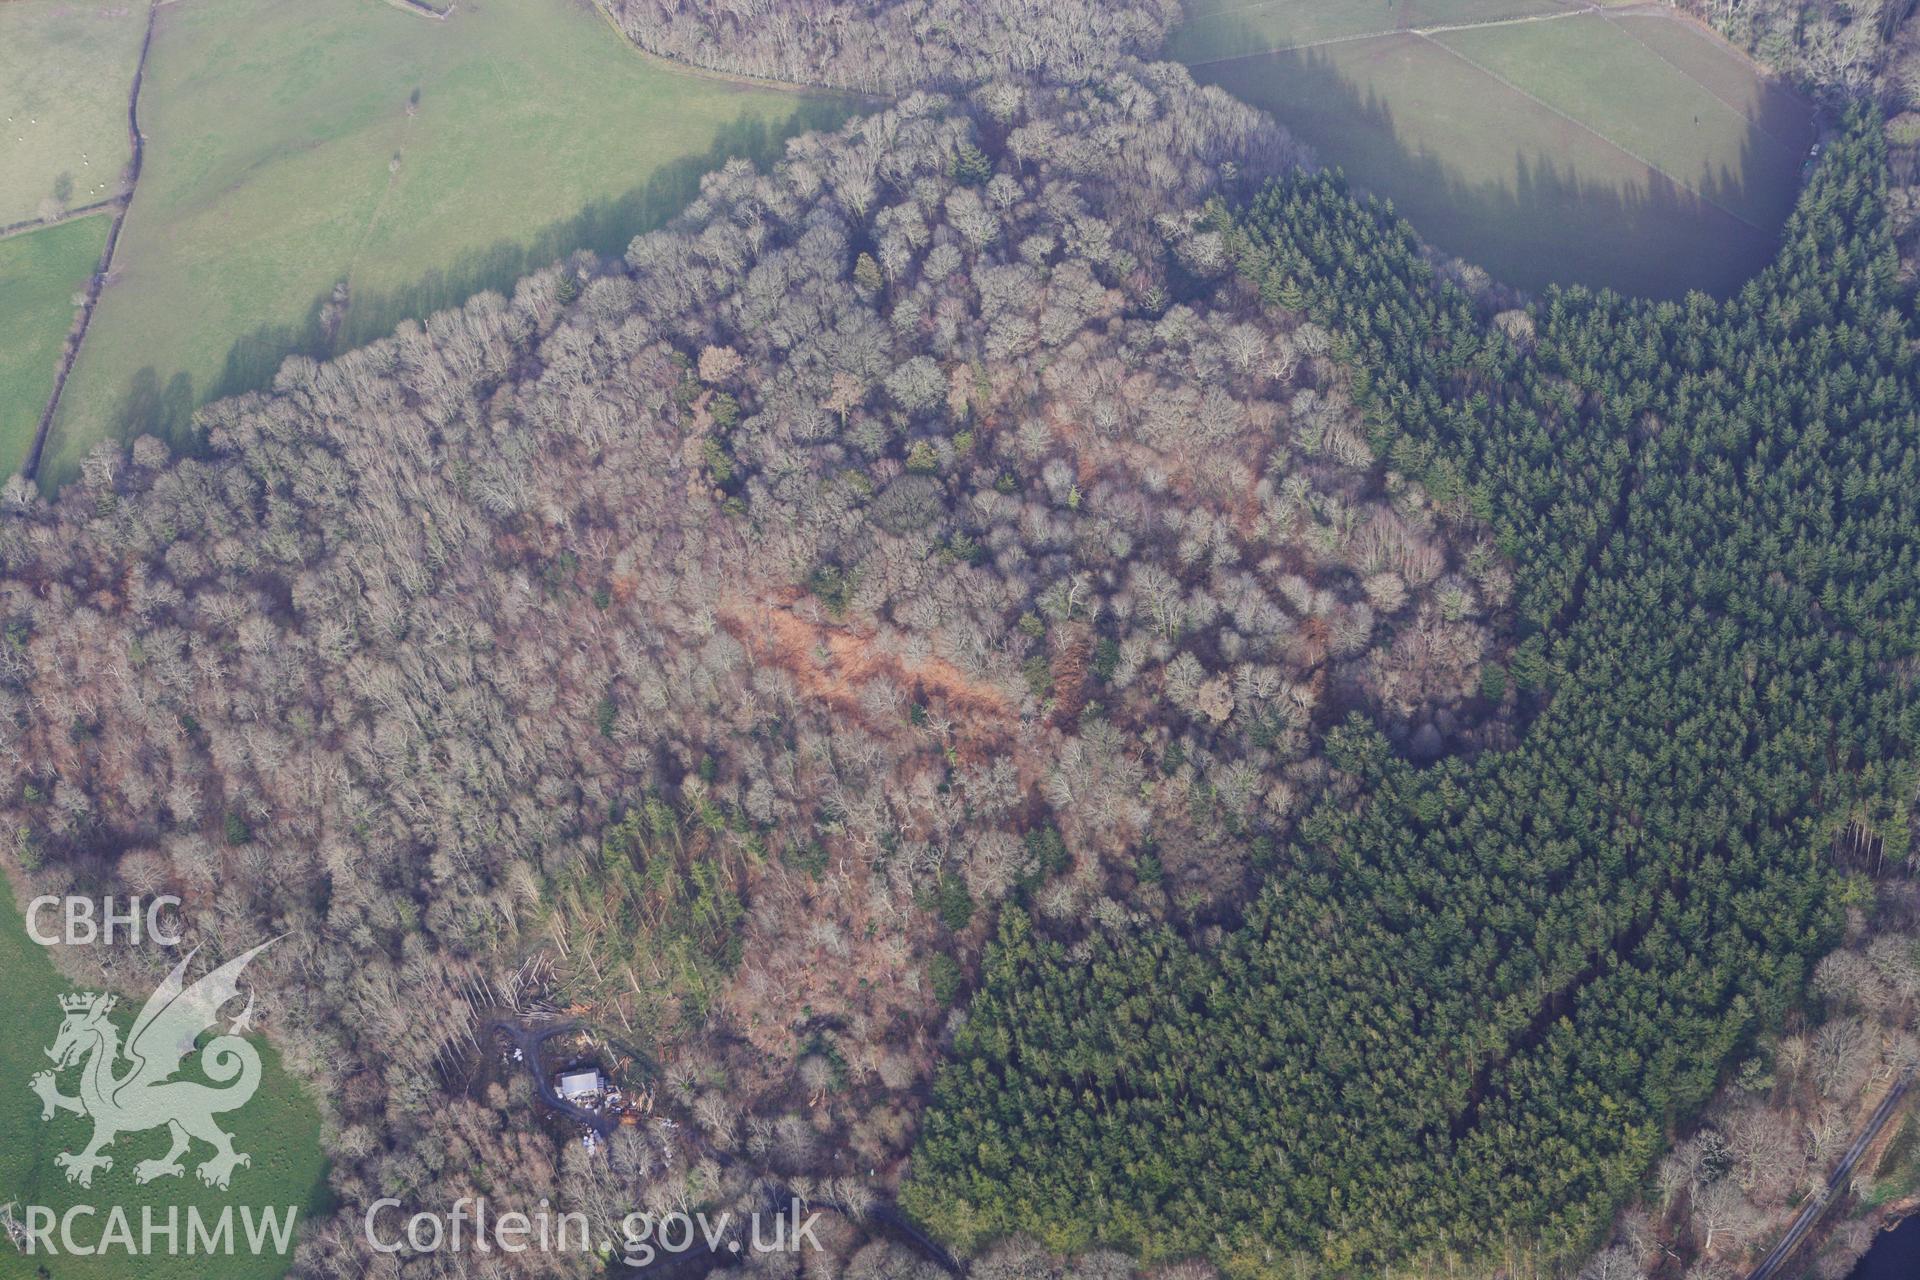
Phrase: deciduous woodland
(891, 45)
(740, 624)
(1845, 49)
(1044, 657)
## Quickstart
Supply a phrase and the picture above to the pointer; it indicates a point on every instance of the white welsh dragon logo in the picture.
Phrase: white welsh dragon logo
(143, 1096)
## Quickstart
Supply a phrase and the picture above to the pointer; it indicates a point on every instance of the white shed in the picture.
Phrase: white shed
(579, 1084)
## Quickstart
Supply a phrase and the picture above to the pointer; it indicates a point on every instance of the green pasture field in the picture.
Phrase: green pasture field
(65, 69)
(294, 149)
(279, 1129)
(1601, 75)
(1704, 58)
(1629, 150)
(1540, 199)
(40, 273)
(1217, 29)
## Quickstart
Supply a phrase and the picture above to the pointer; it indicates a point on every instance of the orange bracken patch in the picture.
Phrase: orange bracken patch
(834, 662)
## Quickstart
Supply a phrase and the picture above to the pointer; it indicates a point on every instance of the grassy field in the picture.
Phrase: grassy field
(1541, 141)
(1702, 57)
(279, 1129)
(1593, 70)
(40, 273)
(1217, 29)
(296, 149)
(64, 73)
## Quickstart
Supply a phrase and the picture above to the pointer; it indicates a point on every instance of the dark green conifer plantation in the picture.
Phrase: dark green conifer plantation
(1474, 1001)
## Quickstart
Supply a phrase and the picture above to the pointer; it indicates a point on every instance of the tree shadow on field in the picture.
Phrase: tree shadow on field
(1547, 224)
(147, 408)
(604, 226)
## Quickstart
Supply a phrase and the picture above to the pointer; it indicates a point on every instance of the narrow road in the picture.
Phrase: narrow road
(72, 353)
(1818, 1205)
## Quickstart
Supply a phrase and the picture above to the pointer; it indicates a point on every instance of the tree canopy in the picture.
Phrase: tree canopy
(1476, 998)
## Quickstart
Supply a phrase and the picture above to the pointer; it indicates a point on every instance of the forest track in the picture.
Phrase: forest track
(1818, 1205)
(528, 1041)
(30, 469)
